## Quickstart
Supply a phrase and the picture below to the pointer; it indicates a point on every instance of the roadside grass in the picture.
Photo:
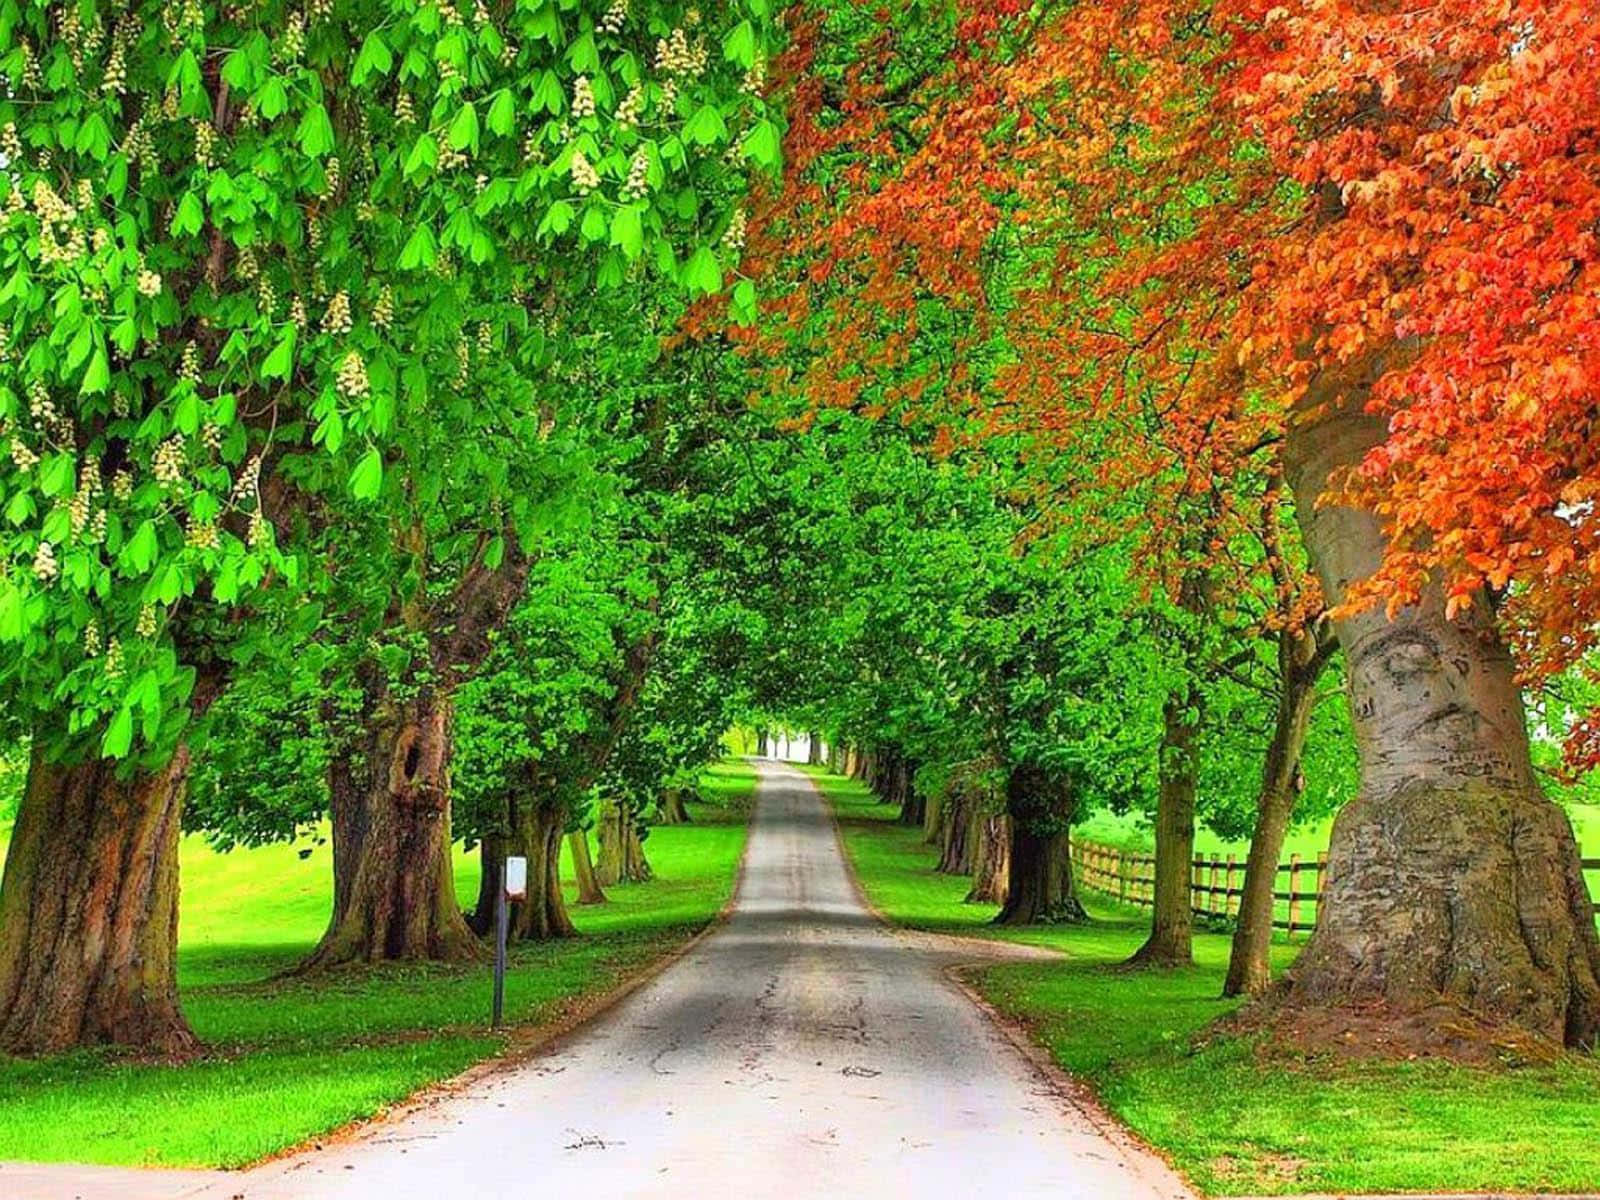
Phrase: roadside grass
(1232, 1119)
(288, 1059)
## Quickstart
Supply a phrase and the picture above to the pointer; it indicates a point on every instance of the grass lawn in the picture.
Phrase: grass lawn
(289, 1059)
(1230, 1120)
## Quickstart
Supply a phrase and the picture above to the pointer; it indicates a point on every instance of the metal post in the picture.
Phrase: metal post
(501, 921)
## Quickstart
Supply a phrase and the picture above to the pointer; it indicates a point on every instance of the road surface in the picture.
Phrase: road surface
(802, 1049)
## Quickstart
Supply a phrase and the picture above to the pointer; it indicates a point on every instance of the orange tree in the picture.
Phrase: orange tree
(1358, 241)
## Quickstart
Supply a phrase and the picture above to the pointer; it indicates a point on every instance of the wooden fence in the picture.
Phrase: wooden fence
(1216, 885)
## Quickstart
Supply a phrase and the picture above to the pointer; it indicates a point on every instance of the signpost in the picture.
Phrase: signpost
(513, 887)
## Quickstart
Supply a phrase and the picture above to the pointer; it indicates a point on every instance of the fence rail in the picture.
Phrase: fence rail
(1216, 885)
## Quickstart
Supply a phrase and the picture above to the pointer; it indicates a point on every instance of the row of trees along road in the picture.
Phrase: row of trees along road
(1275, 298)
(396, 448)
(307, 318)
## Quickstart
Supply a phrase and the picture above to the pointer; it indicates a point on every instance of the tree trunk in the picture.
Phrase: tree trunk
(1453, 882)
(761, 744)
(622, 857)
(836, 759)
(89, 910)
(492, 850)
(933, 818)
(394, 892)
(1040, 888)
(814, 749)
(589, 890)
(1249, 964)
(991, 858)
(543, 915)
(672, 809)
(1170, 943)
(955, 846)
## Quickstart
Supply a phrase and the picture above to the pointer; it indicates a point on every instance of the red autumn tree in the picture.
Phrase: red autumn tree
(1360, 237)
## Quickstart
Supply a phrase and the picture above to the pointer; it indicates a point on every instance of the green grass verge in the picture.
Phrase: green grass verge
(1231, 1120)
(289, 1059)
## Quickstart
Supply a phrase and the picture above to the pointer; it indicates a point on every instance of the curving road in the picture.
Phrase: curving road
(802, 1049)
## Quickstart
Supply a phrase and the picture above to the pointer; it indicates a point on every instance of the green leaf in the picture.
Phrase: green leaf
(706, 127)
(186, 417)
(763, 145)
(56, 476)
(626, 230)
(315, 133)
(141, 547)
(281, 361)
(740, 45)
(424, 155)
(272, 99)
(374, 56)
(367, 478)
(494, 553)
(119, 734)
(464, 129)
(557, 218)
(420, 249)
(97, 375)
(594, 223)
(502, 118)
(189, 217)
(703, 273)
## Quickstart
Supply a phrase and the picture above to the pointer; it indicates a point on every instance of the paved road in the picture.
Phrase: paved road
(802, 1049)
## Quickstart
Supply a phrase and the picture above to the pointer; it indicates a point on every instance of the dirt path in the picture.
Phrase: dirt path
(803, 1049)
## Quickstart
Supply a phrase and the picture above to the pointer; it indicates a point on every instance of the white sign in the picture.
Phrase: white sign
(516, 878)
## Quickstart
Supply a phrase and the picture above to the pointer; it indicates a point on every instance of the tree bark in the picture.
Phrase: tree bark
(814, 749)
(589, 890)
(622, 858)
(1040, 887)
(89, 910)
(1299, 664)
(761, 744)
(991, 858)
(954, 834)
(394, 892)
(1170, 943)
(672, 809)
(1453, 882)
(543, 915)
(492, 850)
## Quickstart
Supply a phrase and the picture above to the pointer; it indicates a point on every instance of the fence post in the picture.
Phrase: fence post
(1227, 896)
(1122, 875)
(1211, 894)
(1294, 893)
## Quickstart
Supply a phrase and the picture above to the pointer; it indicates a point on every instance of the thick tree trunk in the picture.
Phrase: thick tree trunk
(933, 818)
(394, 892)
(589, 890)
(1170, 943)
(672, 809)
(1249, 964)
(1453, 883)
(836, 759)
(89, 910)
(543, 915)
(492, 850)
(622, 858)
(1040, 888)
(814, 749)
(991, 858)
(761, 744)
(955, 846)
